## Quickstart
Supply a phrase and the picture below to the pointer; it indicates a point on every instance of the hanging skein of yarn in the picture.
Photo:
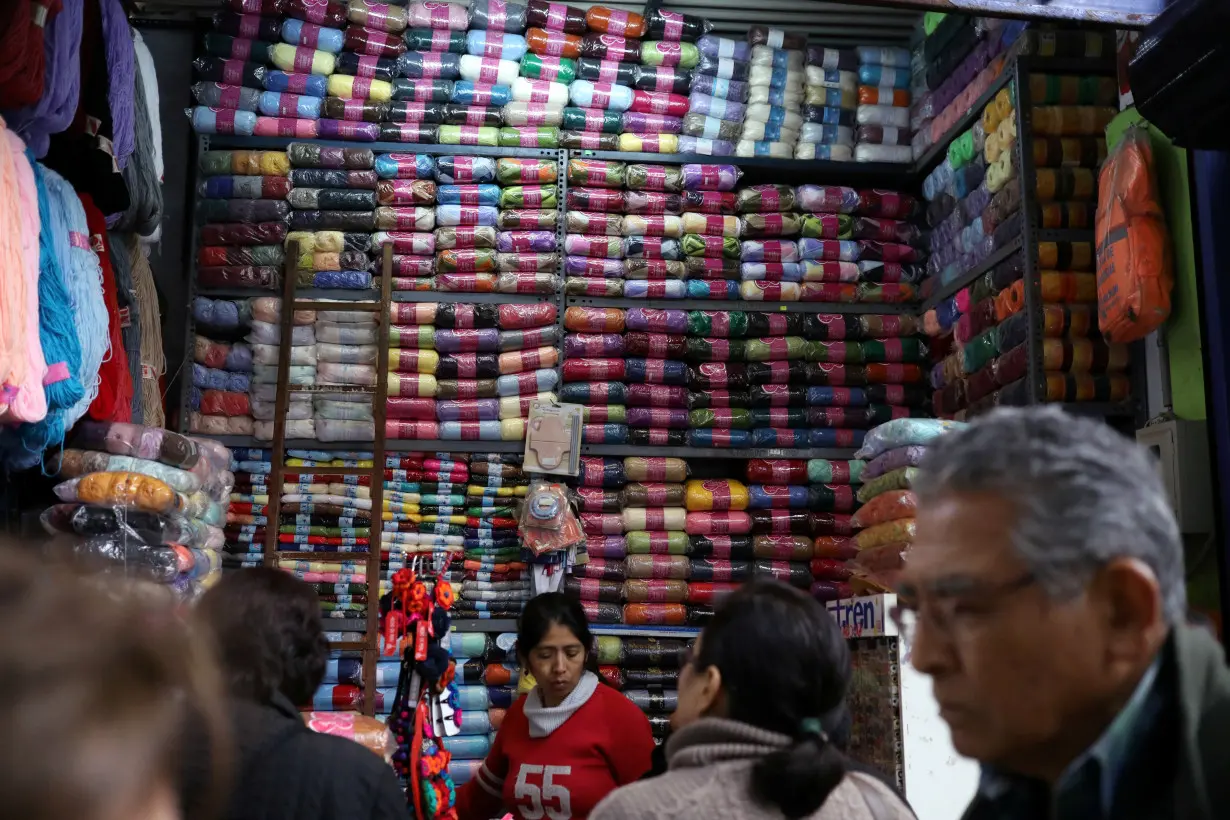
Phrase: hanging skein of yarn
(22, 366)
(57, 332)
(114, 400)
(130, 326)
(22, 63)
(54, 110)
(121, 75)
(144, 186)
(83, 281)
(149, 78)
(153, 360)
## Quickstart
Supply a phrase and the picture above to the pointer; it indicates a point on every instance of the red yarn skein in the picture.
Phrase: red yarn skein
(22, 58)
(114, 400)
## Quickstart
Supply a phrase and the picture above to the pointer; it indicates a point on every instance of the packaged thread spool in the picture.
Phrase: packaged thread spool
(589, 94)
(495, 44)
(370, 42)
(424, 65)
(533, 114)
(474, 115)
(673, 26)
(422, 89)
(497, 15)
(438, 15)
(649, 143)
(549, 68)
(556, 16)
(539, 91)
(610, 48)
(589, 141)
(434, 39)
(606, 71)
(529, 137)
(615, 21)
(664, 53)
(662, 79)
(456, 170)
(553, 43)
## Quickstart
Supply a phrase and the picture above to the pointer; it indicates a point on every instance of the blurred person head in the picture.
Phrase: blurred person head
(773, 658)
(269, 635)
(553, 643)
(94, 687)
(1046, 573)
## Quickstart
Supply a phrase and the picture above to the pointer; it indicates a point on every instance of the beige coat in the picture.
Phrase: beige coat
(709, 778)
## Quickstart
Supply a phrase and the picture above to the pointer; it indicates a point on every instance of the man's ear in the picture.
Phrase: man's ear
(1130, 601)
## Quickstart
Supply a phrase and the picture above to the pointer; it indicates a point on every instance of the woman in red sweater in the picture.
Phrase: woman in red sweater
(567, 743)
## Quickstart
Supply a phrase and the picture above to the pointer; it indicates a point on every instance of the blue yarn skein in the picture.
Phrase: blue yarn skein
(83, 280)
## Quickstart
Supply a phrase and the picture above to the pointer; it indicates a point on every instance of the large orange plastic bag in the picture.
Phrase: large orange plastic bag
(1135, 261)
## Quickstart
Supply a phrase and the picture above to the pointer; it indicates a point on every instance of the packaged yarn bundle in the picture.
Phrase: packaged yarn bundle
(219, 398)
(244, 214)
(334, 202)
(144, 502)
(883, 115)
(267, 72)
(487, 678)
(794, 380)
(718, 102)
(593, 246)
(830, 99)
(774, 117)
(646, 670)
(818, 558)
(954, 65)
(246, 513)
(885, 521)
(405, 218)
(468, 372)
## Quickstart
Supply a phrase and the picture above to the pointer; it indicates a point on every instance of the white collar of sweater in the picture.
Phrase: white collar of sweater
(546, 719)
(713, 740)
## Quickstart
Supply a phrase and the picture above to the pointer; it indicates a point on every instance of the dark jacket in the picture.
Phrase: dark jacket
(282, 770)
(1178, 768)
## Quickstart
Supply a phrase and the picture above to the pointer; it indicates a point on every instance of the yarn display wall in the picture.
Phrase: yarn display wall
(674, 232)
(981, 332)
(663, 548)
(554, 76)
(468, 372)
(487, 675)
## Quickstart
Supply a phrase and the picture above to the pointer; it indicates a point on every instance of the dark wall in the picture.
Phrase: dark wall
(172, 49)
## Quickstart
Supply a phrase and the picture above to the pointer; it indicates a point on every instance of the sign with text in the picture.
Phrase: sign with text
(865, 617)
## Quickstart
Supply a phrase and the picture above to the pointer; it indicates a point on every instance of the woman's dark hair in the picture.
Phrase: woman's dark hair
(267, 626)
(785, 667)
(545, 611)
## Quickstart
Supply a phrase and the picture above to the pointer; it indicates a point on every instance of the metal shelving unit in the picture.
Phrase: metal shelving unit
(736, 304)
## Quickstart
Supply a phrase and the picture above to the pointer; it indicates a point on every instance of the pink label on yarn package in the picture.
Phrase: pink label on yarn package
(225, 120)
(309, 35)
(475, 116)
(673, 25)
(720, 490)
(249, 26)
(469, 135)
(777, 394)
(241, 49)
(230, 96)
(440, 14)
(779, 372)
(497, 15)
(670, 52)
(540, 91)
(314, 11)
(362, 87)
(601, 97)
(483, 94)
(488, 70)
(467, 215)
(492, 47)
(655, 469)
(232, 72)
(303, 60)
(352, 109)
(296, 83)
(588, 139)
(556, 43)
(557, 16)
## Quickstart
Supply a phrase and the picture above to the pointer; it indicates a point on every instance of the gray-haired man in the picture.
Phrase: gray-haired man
(1045, 593)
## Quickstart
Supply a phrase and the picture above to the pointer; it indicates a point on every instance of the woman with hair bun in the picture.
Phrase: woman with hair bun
(756, 692)
(571, 740)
